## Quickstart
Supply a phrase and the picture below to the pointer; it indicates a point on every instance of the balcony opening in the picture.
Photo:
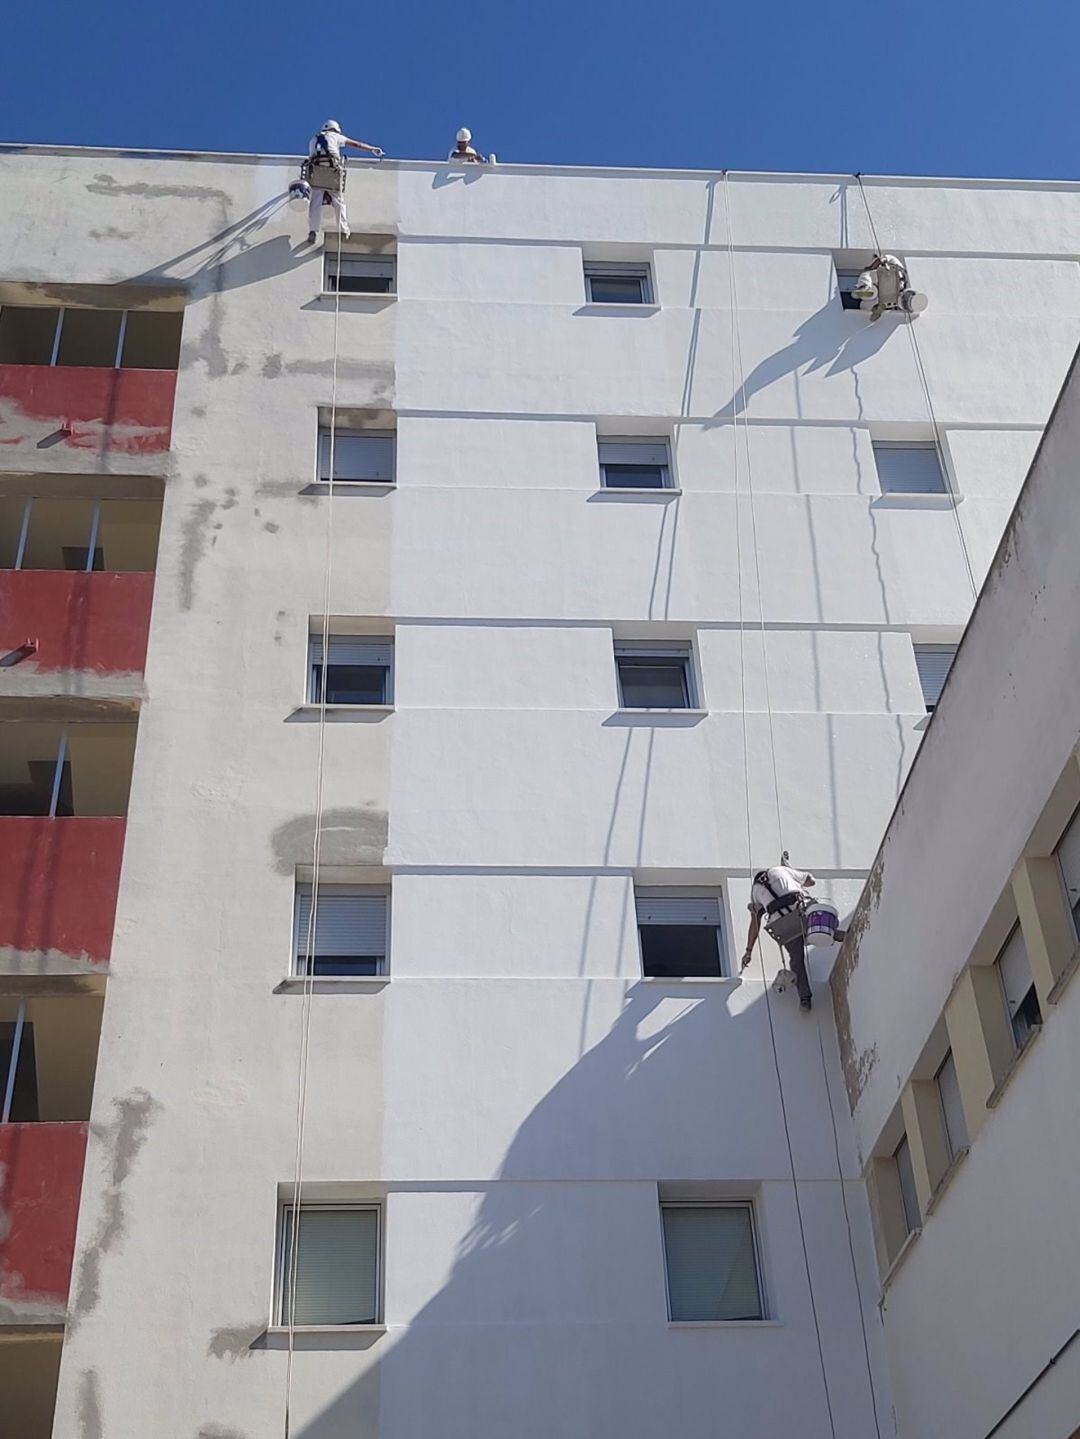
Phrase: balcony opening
(101, 338)
(62, 771)
(29, 1372)
(48, 1055)
(70, 533)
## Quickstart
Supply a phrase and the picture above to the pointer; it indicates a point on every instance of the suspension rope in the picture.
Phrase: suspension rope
(740, 393)
(316, 852)
(920, 367)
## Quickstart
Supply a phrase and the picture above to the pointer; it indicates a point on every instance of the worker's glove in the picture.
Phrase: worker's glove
(747, 957)
(377, 153)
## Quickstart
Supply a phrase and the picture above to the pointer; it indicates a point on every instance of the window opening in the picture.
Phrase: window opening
(18, 1067)
(351, 931)
(358, 671)
(617, 284)
(681, 935)
(909, 1195)
(654, 677)
(103, 339)
(337, 1265)
(1068, 858)
(909, 468)
(359, 455)
(360, 274)
(634, 464)
(1018, 987)
(711, 1261)
(933, 663)
(952, 1108)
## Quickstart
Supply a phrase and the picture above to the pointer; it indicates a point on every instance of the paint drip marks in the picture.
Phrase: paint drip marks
(349, 836)
(119, 1142)
(90, 1420)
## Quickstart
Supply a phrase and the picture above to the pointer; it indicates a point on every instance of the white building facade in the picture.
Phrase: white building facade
(636, 532)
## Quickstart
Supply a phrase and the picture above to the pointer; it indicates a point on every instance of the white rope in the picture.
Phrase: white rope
(316, 852)
(741, 404)
(939, 443)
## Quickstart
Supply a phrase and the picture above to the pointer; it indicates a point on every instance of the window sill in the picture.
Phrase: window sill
(350, 297)
(637, 492)
(725, 1324)
(616, 307)
(729, 979)
(332, 984)
(331, 709)
(327, 1329)
(904, 499)
(901, 1254)
(946, 1179)
(994, 1097)
(322, 487)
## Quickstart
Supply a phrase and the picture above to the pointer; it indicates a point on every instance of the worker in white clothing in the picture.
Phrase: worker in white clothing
(779, 897)
(325, 171)
(885, 281)
(463, 149)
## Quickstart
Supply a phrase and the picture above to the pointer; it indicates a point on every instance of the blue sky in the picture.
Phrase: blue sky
(963, 89)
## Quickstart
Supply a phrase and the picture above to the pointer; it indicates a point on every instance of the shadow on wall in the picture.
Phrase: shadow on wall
(825, 341)
(229, 257)
(497, 1349)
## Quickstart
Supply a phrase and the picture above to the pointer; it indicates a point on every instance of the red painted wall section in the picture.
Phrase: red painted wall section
(125, 411)
(97, 622)
(58, 884)
(41, 1168)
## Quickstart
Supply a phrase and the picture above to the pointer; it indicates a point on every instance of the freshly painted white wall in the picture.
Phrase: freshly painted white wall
(517, 1091)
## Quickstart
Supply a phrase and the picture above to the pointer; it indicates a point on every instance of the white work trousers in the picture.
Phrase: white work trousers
(315, 211)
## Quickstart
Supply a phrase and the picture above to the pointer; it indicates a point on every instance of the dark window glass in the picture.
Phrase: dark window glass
(27, 333)
(352, 684)
(680, 951)
(24, 1097)
(89, 337)
(617, 289)
(75, 557)
(654, 684)
(346, 964)
(637, 477)
(152, 340)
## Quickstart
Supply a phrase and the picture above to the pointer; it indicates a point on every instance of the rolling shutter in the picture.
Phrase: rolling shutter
(1068, 854)
(933, 663)
(357, 456)
(677, 909)
(350, 923)
(353, 650)
(711, 1264)
(337, 1266)
(1015, 968)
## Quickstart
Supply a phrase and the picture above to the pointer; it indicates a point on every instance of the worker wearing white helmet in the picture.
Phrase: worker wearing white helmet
(463, 150)
(325, 170)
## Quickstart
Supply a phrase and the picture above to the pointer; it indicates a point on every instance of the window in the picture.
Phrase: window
(1018, 987)
(351, 935)
(905, 1177)
(337, 1265)
(846, 280)
(635, 464)
(365, 456)
(909, 468)
(360, 274)
(56, 771)
(681, 935)
(1068, 858)
(359, 671)
(52, 533)
(617, 284)
(933, 663)
(712, 1264)
(952, 1109)
(18, 1070)
(654, 677)
(104, 339)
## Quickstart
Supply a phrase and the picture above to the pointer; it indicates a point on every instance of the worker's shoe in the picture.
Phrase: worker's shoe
(312, 237)
(805, 1001)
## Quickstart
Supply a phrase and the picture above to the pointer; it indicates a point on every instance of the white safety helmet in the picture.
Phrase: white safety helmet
(464, 134)
(332, 125)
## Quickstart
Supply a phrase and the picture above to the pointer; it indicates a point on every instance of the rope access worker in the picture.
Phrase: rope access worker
(463, 149)
(885, 281)
(325, 170)
(780, 896)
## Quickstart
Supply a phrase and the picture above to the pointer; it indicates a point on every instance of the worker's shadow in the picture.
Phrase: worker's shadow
(832, 339)
(457, 174)
(229, 260)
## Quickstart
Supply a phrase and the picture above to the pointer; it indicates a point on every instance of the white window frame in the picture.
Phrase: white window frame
(349, 257)
(684, 652)
(929, 446)
(603, 269)
(348, 432)
(645, 893)
(285, 1206)
(299, 941)
(314, 644)
(667, 479)
(750, 1206)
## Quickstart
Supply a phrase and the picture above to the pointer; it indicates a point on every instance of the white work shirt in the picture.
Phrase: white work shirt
(784, 881)
(466, 155)
(334, 141)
